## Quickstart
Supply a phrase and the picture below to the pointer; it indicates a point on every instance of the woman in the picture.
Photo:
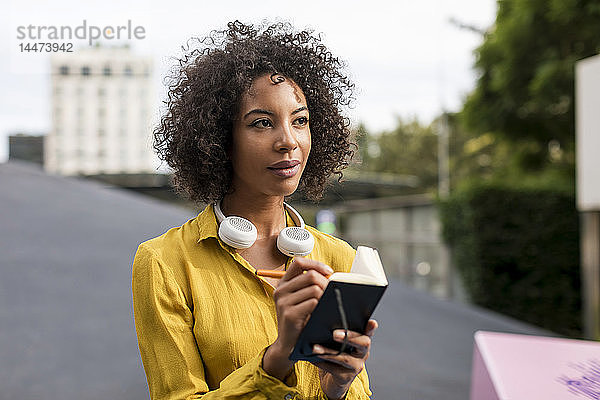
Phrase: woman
(251, 116)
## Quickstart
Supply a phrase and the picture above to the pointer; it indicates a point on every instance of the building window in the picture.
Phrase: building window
(101, 132)
(85, 71)
(106, 71)
(101, 92)
(128, 71)
(101, 112)
(64, 70)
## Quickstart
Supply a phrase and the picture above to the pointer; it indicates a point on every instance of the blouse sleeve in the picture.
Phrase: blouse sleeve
(170, 356)
(359, 390)
(360, 387)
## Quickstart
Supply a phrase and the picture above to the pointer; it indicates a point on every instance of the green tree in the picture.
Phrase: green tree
(525, 90)
(409, 149)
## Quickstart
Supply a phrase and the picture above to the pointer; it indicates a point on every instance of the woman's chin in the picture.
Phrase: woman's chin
(285, 189)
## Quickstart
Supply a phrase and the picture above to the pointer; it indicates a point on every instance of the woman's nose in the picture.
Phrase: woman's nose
(286, 140)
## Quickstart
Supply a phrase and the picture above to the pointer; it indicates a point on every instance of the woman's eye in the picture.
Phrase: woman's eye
(302, 121)
(261, 123)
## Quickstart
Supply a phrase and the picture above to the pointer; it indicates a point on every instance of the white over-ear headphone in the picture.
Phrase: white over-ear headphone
(240, 233)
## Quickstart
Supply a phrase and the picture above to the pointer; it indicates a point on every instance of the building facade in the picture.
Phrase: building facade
(406, 230)
(102, 101)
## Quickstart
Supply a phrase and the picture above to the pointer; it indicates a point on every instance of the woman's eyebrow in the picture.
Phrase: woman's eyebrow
(267, 112)
(299, 109)
(258, 111)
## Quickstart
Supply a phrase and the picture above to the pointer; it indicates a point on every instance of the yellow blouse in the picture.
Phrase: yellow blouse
(204, 319)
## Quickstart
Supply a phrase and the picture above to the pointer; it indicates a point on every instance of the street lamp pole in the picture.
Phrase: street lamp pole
(443, 193)
(443, 157)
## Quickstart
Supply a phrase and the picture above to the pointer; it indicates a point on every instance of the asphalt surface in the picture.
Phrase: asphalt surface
(423, 347)
(66, 324)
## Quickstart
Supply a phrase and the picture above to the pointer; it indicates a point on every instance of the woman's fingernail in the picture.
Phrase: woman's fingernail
(318, 349)
(338, 334)
(329, 269)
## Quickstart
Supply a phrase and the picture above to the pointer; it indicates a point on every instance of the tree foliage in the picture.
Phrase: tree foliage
(409, 149)
(517, 251)
(525, 91)
(517, 127)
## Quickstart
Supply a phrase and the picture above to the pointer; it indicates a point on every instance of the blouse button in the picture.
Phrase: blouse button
(289, 396)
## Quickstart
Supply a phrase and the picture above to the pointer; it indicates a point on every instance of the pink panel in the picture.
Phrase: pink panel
(482, 387)
(523, 367)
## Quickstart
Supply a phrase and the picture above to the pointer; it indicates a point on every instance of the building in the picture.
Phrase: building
(26, 147)
(406, 230)
(102, 99)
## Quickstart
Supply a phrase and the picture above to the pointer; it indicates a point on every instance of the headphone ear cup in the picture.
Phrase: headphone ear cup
(295, 241)
(237, 232)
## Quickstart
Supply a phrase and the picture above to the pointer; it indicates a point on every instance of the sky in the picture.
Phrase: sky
(406, 58)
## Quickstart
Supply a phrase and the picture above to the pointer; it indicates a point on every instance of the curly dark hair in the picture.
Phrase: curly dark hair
(204, 90)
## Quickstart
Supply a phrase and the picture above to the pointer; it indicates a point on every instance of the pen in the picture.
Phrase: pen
(269, 273)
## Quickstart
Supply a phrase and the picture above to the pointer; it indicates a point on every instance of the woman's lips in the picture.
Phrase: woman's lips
(286, 172)
(285, 164)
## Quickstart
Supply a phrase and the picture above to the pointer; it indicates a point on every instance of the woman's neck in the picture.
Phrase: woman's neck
(267, 213)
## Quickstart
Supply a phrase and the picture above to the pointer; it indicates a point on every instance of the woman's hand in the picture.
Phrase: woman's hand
(295, 298)
(338, 372)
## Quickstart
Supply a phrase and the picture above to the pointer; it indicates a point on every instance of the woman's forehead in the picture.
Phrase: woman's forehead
(273, 89)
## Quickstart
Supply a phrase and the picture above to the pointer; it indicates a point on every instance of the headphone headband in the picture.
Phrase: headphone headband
(296, 217)
(218, 213)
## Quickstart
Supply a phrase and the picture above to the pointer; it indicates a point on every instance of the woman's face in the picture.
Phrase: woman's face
(271, 138)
